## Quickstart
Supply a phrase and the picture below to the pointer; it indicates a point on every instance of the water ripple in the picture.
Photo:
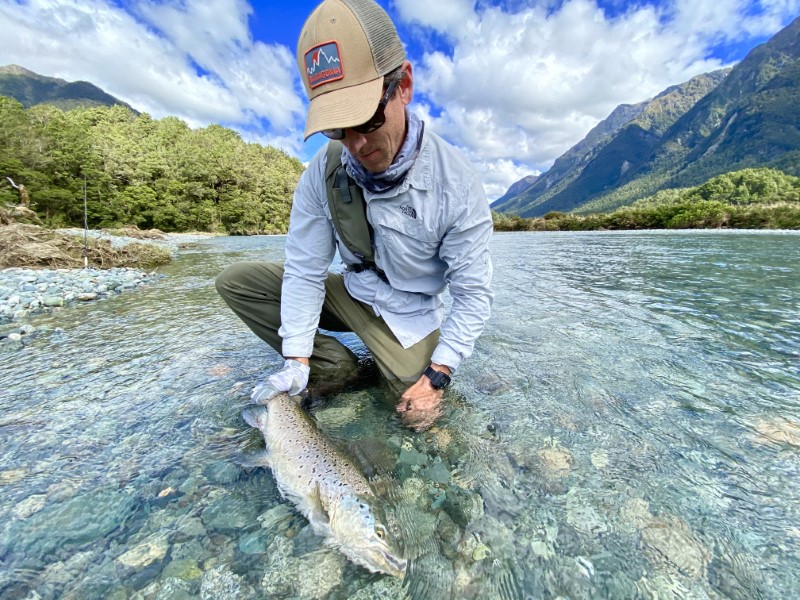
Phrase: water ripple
(628, 427)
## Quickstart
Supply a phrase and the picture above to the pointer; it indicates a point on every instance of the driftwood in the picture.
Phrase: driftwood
(18, 214)
(31, 246)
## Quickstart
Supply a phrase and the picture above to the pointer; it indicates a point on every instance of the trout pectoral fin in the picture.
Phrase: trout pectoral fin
(254, 460)
(255, 415)
(319, 506)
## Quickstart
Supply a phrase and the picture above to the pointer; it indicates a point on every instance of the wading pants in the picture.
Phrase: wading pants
(253, 291)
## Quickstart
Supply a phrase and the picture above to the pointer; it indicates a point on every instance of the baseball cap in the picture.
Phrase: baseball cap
(344, 50)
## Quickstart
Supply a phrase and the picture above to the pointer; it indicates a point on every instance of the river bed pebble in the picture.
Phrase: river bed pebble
(25, 292)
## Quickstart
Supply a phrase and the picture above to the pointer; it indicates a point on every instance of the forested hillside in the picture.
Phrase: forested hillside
(140, 171)
(751, 119)
(745, 199)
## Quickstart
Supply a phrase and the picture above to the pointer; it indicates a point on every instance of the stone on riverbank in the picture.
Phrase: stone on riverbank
(25, 292)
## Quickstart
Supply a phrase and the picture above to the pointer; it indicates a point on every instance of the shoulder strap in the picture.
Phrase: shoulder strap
(348, 209)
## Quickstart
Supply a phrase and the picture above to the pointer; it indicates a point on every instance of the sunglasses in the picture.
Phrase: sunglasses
(375, 123)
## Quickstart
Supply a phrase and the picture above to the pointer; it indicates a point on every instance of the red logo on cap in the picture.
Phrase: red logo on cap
(323, 64)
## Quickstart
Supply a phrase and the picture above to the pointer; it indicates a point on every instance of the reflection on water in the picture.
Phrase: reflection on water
(628, 428)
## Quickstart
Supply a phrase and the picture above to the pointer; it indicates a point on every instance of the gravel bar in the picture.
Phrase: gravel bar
(25, 292)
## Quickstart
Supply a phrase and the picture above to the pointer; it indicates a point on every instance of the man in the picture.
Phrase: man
(428, 219)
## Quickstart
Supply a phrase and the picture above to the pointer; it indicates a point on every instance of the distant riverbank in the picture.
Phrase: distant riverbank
(746, 199)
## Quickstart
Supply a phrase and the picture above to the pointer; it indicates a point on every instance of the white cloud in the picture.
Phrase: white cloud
(442, 15)
(517, 85)
(732, 19)
(498, 175)
(527, 85)
(151, 61)
(215, 34)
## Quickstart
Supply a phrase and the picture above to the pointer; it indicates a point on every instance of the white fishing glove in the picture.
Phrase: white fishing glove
(292, 379)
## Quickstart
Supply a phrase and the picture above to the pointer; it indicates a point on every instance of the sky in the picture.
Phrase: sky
(512, 83)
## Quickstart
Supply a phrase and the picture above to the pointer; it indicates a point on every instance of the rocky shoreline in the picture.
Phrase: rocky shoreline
(25, 292)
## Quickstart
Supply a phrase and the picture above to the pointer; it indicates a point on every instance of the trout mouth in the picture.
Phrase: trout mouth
(396, 566)
(380, 560)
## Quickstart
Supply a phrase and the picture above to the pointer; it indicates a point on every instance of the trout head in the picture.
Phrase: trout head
(360, 531)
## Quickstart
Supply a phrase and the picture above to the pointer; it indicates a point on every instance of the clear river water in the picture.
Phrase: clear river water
(628, 427)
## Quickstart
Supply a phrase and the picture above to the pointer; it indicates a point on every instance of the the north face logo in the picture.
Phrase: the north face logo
(409, 211)
(323, 64)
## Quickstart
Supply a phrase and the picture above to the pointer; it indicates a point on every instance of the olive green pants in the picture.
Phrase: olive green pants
(253, 291)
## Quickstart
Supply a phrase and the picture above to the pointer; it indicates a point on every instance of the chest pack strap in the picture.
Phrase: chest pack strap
(349, 211)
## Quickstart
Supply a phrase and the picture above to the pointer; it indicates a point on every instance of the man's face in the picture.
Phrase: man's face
(376, 150)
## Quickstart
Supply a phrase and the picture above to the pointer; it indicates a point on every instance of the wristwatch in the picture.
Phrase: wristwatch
(438, 379)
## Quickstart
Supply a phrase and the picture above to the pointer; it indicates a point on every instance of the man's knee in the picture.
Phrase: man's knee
(226, 280)
(250, 278)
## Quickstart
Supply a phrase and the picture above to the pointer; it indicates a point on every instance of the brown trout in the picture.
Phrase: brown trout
(324, 485)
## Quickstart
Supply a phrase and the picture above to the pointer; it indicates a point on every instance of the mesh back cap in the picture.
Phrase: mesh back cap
(344, 50)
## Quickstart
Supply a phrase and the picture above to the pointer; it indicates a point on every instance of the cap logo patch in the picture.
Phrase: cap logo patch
(323, 64)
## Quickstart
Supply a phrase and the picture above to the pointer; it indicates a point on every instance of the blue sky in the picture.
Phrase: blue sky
(513, 83)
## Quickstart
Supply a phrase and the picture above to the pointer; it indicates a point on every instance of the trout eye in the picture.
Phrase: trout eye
(380, 532)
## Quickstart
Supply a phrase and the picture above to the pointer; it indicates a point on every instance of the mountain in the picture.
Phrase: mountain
(30, 88)
(569, 164)
(752, 119)
(618, 144)
(517, 188)
(689, 134)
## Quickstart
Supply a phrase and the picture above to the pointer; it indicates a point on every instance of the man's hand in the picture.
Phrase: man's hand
(421, 404)
(292, 379)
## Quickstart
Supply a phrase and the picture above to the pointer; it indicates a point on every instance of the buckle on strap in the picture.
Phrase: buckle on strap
(361, 267)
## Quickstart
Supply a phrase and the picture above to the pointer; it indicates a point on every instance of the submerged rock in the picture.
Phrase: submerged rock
(277, 519)
(184, 568)
(29, 506)
(599, 459)
(306, 577)
(229, 513)
(778, 431)
(151, 551)
(77, 521)
(222, 472)
(168, 588)
(220, 583)
(583, 515)
(556, 460)
(669, 542)
(387, 588)
(318, 573)
(255, 542)
(635, 514)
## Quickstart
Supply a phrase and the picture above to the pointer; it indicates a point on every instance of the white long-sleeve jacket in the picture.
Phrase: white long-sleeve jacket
(431, 232)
